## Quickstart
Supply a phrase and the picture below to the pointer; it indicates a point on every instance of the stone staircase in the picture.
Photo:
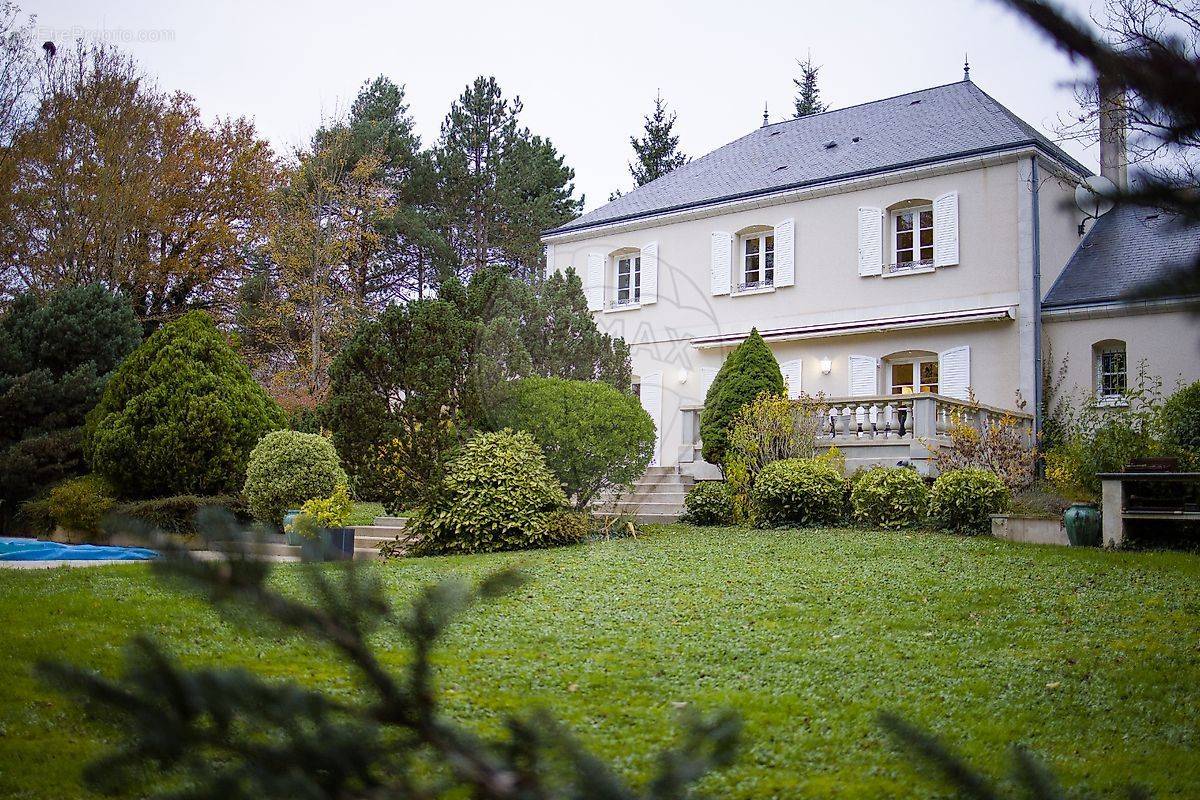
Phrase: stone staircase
(656, 497)
(368, 538)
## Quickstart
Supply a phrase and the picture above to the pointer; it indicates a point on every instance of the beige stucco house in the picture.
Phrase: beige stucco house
(895, 255)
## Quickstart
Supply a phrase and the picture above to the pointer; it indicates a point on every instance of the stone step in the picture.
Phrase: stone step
(391, 522)
(663, 480)
(651, 505)
(641, 508)
(380, 530)
(673, 496)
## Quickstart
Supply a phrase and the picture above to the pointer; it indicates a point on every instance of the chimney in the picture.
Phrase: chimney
(1113, 159)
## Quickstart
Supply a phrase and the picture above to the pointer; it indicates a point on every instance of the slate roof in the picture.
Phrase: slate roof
(1126, 248)
(921, 127)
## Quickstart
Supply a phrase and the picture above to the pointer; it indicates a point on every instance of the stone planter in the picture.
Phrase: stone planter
(1037, 530)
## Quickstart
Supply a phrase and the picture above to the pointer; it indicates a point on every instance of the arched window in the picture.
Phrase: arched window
(911, 371)
(1110, 371)
(910, 233)
(755, 261)
(625, 267)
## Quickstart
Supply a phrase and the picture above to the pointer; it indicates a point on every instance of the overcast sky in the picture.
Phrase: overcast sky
(587, 73)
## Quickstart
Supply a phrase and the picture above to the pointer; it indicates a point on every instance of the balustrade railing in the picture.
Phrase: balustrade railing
(922, 419)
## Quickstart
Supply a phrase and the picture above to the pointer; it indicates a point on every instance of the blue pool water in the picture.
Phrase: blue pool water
(34, 550)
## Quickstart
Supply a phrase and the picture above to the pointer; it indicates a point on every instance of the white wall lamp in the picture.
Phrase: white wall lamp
(683, 376)
(826, 365)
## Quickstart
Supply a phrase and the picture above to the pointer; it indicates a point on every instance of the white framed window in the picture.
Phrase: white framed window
(756, 268)
(1111, 368)
(913, 375)
(627, 283)
(912, 237)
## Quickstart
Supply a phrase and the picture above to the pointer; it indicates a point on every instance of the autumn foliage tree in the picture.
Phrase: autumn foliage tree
(117, 183)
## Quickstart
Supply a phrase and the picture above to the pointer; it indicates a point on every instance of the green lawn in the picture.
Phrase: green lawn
(1090, 658)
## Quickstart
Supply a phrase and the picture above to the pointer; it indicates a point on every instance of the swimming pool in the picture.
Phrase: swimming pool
(13, 549)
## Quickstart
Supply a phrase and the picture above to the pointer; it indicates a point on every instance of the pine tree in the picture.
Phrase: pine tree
(658, 150)
(499, 186)
(808, 94)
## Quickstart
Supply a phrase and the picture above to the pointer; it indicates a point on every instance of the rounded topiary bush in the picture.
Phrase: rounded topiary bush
(890, 497)
(963, 500)
(797, 491)
(595, 438)
(289, 468)
(498, 494)
(1181, 419)
(180, 415)
(708, 503)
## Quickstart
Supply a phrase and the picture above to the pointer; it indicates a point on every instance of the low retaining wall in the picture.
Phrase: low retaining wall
(1038, 530)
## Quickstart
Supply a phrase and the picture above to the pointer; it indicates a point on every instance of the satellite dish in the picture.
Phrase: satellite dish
(1095, 196)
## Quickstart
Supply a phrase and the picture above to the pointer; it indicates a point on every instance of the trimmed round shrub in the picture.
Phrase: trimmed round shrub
(498, 494)
(289, 468)
(963, 500)
(1181, 419)
(890, 497)
(708, 503)
(180, 415)
(594, 437)
(797, 491)
(750, 370)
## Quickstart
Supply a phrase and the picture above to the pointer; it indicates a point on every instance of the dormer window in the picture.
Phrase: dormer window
(758, 259)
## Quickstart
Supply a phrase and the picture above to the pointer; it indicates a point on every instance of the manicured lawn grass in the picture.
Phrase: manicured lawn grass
(1092, 659)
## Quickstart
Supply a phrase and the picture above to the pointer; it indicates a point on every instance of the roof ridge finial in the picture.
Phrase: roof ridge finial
(966, 68)
(766, 116)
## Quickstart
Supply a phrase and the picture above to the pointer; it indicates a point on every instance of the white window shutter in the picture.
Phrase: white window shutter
(651, 397)
(863, 376)
(650, 273)
(707, 376)
(785, 253)
(549, 260)
(594, 287)
(945, 230)
(870, 241)
(722, 261)
(792, 373)
(954, 372)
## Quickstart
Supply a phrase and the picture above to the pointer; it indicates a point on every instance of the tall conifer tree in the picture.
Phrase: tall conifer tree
(808, 93)
(658, 150)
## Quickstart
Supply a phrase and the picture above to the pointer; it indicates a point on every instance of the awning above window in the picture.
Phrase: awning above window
(858, 327)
